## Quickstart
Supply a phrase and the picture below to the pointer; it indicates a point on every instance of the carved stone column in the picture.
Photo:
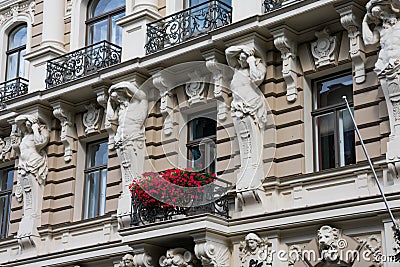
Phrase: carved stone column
(29, 139)
(212, 250)
(351, 16)
(145, 4)
(53, 23)
(284, 40)
(63, 111)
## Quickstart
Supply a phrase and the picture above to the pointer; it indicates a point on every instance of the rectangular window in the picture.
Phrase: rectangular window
(95, 179)
(201, 143)
(6, 184)
(333, 127)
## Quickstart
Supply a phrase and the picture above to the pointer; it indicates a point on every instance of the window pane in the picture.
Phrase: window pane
(17, 38)
(98, 7)
(202, 127)
(3, 219)
(5, 204)
(103, 191)
(21, 68)
(91, 195)
(190, 3)
(325, 127)
(97, 32)
(330, 92)
(98, 154)
(116, 31)
(346, 139)
(10, 179)
(12, 66)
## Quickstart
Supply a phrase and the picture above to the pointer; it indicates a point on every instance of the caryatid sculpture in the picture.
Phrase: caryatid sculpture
(249, 114)
(254, 251)
(32, 171)
(381, 25)
(127, 107)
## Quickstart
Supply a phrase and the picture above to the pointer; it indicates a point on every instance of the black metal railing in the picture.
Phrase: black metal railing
(13, 88)
(82, 62)
(271, 5)
(187, 24)
(215, 198)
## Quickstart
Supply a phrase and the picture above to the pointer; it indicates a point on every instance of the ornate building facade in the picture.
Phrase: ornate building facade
(94, 93)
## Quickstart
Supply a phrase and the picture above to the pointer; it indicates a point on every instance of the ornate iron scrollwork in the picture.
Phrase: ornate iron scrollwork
(82, 62)
(143, 214)
(271, 5)
(187, 24)
(13, 88)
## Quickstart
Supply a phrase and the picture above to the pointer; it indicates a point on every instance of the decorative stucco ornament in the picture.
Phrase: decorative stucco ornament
(324, 49)
(177, 257)
(27, 7)
(195, 87)
(91, 119)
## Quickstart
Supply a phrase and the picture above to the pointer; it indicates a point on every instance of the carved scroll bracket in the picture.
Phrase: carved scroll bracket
(111, 127)
(351, 16)
(162, 82)
(214, 58)
(284, 41)
(212, 250)
(145, 255)
(63, 111)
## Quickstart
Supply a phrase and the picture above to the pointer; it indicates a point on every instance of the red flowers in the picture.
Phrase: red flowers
(170, 188)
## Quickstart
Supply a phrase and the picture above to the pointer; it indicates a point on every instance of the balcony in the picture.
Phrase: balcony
(271, 5)
(213, 197)
(187, 24)
(82, 62)
(13, 88)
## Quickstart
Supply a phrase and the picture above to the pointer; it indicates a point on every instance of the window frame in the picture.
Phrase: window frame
(5, 224)
(86, 172)
(108, 15)
(195, 142)
(17, 50)
(335, 109)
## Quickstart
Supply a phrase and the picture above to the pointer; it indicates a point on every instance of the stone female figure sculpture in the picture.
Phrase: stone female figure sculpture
(32, 172)
(249, 114)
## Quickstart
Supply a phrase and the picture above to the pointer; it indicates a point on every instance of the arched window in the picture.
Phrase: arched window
(101, 25)
(16, 50)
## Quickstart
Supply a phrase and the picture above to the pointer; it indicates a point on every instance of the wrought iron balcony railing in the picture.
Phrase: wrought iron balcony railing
(13, 88)
(214, 196)
(82, 62)
(271, 5)
(187, 24)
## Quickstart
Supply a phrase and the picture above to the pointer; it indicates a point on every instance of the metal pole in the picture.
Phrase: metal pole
(395, 225)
